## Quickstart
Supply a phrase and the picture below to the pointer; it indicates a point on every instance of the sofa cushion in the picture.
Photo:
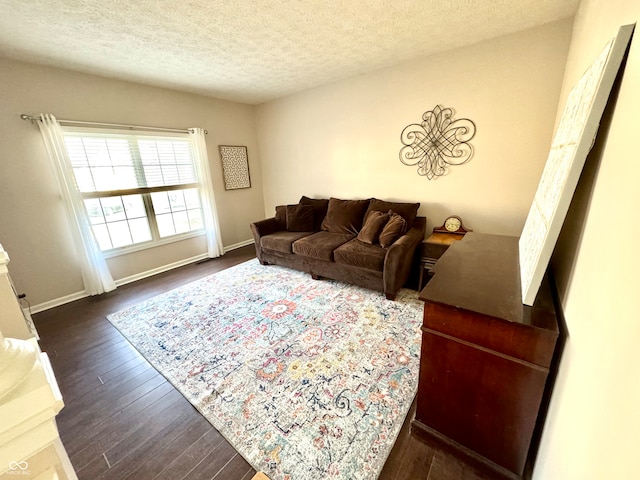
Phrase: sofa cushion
(408, 211)
(360, 254)
(394, 228)
(321, 244)
(281, 241)
(300, 218)
(373, 225)
(320, 206)
(345, 216)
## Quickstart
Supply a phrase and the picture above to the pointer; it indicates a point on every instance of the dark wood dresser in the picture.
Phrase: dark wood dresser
(485, 356)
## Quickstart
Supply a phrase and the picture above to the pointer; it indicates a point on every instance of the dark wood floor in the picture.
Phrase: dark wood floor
(123, 420)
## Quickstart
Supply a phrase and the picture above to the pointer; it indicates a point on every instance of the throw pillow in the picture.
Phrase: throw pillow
(394, 228)
(300, 218)
(344, 216)
(281, 216)
(319, 209)
(408, 211)
(372, 227)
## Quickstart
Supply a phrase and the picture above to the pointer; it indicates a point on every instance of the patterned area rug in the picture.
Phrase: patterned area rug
(307, 379)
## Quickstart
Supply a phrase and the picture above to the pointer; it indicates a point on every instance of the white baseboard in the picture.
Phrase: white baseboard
(56, 302)
(156, 271)
(133, 278)
(238, 245)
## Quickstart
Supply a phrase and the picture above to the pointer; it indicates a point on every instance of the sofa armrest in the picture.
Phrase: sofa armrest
(259, 230)
(399, 258)
(265, 227)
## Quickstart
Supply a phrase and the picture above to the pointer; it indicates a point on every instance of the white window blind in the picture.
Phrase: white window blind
(136, 188)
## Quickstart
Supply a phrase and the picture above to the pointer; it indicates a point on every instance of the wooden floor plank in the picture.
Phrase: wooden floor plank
(72, 356)
(134, 439)
(238, 467)
(105, 407)
(394, 462)
(180, 467)
(79, 336)
(248, 476)
(416, 461)
(104, 365)
(80, 388)
(213, 464)
(187, 434)
(95, 367)
(80, 401)
(112, 431)
(148, 443)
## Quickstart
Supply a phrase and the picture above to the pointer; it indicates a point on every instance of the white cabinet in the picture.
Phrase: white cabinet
(14, 322)
(30, 399)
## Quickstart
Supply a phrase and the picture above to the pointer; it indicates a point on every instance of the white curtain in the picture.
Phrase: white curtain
(209, 211)
(95, 273)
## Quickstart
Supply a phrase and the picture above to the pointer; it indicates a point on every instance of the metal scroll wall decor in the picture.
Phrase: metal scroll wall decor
(437, 143)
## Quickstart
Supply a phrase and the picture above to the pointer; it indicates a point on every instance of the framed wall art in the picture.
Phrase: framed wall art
(235, 167)
(575, 135)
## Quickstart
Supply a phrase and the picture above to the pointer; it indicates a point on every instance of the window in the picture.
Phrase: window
(136, 188)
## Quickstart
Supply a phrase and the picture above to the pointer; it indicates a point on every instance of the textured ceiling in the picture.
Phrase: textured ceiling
(253, 51)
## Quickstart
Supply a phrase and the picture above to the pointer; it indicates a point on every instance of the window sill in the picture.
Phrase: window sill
(116, 252)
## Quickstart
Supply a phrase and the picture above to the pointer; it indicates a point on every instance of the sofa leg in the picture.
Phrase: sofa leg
(390, 296)
(315, 277)
(262, 262)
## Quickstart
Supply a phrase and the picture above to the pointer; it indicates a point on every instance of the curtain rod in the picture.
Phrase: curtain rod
(32, 118)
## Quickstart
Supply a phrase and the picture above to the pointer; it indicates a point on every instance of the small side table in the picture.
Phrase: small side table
(432, 249)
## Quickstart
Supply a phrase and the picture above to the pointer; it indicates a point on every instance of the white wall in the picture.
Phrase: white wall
(593, 426)
(33, 227)
(343, 139)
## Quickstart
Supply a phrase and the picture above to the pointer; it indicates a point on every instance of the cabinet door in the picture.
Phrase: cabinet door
(483, 400)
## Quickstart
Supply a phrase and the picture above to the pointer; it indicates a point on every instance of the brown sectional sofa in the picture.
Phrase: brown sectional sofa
(370, 243)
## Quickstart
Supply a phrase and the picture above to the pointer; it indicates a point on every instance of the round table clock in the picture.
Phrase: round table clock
(438, 242)
(452, 224)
